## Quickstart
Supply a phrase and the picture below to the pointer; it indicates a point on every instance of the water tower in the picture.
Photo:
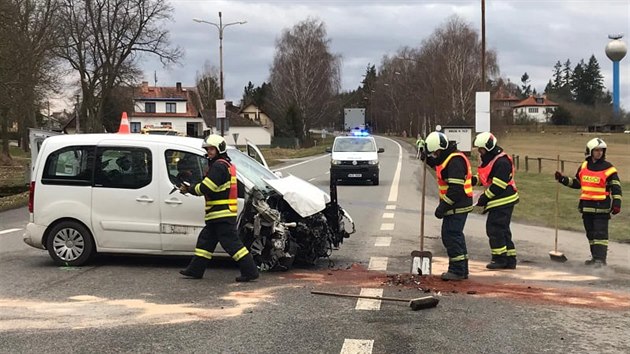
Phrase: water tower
(616, 49)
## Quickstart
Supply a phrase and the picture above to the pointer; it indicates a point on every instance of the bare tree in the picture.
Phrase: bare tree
(103, 42)
(208, 86)
(304, 77)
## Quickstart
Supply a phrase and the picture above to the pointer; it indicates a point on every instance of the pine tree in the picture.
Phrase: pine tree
(557, 76)
(526, 88)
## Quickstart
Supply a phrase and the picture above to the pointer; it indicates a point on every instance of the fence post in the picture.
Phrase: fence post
(518, 162)
(539, 165)
(526, 163)
(562, 166)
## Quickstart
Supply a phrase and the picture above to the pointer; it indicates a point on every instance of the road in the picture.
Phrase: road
(140, 304)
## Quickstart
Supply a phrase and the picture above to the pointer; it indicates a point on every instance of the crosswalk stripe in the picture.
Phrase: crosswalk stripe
(387, 227)
(378, 263)
(357, 346)
(369, 304)
(383, 241)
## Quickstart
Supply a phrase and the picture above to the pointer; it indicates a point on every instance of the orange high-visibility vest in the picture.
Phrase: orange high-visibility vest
(443, 185)
(594, 182)
(484, 172)
(232, 200)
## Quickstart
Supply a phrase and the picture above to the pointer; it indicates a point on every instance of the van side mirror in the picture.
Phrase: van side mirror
(329, 149)
(381, 150)
(278, 174)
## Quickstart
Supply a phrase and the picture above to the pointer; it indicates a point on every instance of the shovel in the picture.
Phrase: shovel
(555, 255)
(421, 260)
(415, 304)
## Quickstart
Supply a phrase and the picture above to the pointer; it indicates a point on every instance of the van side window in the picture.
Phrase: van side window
(185, 167)
(70, 165)
(123, 167)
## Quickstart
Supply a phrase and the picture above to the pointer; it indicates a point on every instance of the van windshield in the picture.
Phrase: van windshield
(251, 169)
(354, 145)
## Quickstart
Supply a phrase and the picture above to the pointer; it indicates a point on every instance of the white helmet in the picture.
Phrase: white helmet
(217, 141)
(436, 141)
(486, 141)
(593, 144)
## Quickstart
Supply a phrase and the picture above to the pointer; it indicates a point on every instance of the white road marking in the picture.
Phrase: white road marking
(377, 263)
(390, 207)
(387, 227)
(388, 215)
(327, 172)
(383, 241)
(369, 304)
(357, 346)
(312, 179)
(301, 163)
(393, 191)
(8, 231)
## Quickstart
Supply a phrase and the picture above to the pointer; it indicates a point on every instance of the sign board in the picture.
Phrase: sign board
(482, 112)
(220, 108)
(463, 137)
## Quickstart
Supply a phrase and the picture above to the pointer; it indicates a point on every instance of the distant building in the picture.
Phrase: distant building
(502, 105)
(246, 128)
(538, 108)
(254, 113)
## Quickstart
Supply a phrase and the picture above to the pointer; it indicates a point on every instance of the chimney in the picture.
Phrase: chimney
(179, 86)
(145, 86)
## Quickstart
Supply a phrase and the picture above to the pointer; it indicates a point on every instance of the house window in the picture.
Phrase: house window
(149, 107)
(135, 127)
(532, 110)
(171, 107)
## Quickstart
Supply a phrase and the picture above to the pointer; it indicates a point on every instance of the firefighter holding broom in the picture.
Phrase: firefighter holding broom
(600, 196)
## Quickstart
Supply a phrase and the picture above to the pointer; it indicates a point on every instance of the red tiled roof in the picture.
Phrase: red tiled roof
(209, 116)
(531, 101)
(188, 94)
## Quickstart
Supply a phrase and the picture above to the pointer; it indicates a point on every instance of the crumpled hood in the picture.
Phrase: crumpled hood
(303, 197)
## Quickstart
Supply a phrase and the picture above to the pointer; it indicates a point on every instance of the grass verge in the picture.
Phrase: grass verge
(13, 201)
(274, 156)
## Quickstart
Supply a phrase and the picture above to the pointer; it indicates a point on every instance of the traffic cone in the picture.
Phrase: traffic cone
(124, 124)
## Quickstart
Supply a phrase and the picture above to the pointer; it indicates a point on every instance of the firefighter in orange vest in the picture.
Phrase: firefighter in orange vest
(455, 185)
(219, 187)
(496, 173)
(600, 196)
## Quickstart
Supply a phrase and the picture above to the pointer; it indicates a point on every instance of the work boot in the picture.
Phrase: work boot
(248, 268)
(596, 263)
(196, 268)
(498, 262)
(511, 262)
(453, 276)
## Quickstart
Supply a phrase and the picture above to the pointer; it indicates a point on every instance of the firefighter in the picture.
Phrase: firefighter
(600, 196)
(496, 173)
(419, 147)
(219, 187)
(455, 186)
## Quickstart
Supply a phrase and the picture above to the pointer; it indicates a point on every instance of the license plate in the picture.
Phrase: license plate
(354, 175)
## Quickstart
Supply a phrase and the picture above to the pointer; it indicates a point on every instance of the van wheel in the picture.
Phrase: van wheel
(375, 181)
(70, 243)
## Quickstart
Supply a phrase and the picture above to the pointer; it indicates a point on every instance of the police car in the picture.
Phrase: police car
(355, 157)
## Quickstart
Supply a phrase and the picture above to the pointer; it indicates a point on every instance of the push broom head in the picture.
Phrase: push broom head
(557, 256)
(423, 303)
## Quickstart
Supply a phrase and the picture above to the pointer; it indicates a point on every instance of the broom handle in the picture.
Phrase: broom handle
(424, 189)
(557, 204)
(367, 296)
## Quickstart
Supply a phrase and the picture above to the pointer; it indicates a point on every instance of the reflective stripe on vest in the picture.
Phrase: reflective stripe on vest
(593, 183)
(232, 198)
(484, 172)
(443, 185)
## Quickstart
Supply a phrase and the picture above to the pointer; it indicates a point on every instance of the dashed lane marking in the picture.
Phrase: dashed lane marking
(390, 207)
(8, 231)
(301, 163)
(312, 179)
(377, 263)
(383, 242)
(369, 304)
(388, 215)
(387, 227)
(357, 346)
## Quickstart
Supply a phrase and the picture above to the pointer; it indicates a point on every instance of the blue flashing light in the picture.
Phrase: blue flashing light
(361, 132)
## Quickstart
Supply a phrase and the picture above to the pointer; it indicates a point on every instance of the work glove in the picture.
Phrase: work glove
(440, 210)
(183, 188)
(560, 178)
(616, 210)
(483, 200)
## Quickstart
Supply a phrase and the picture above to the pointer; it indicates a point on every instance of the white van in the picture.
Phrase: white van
(114, 193)
(354, 157)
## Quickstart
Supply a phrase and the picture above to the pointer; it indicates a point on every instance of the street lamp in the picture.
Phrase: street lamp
(220, 26)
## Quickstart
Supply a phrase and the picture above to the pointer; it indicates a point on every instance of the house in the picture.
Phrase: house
(537, 108)
(178, 107)
(245, 128)
(502, 104)
(254, 113)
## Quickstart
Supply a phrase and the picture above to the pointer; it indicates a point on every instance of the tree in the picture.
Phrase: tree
(304, 77)
(208, 87)
(103, 40)
(526, 88)
(561, 116)
(257, 95)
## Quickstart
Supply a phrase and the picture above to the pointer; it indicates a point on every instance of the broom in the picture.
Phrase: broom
(556, 255)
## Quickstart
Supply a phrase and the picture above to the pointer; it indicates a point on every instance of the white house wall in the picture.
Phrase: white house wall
(540, 117)
(257, 135)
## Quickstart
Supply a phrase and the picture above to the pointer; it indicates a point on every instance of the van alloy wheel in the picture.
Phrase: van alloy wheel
(70, 243)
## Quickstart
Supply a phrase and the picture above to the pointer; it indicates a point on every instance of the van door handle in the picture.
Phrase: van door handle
(144, 199)
(173, 201)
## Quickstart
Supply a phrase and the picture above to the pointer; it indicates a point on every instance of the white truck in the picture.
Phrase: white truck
(354, 118)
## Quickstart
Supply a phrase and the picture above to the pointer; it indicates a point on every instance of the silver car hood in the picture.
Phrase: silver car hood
(303, 197)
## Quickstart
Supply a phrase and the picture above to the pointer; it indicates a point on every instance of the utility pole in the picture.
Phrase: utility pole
(483, 45)
(77, 123)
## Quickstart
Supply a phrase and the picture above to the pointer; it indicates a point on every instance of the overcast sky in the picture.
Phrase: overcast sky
(528, 35)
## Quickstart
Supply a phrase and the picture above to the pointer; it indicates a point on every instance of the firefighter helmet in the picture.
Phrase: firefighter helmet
(593, 144)
(486, 140)
(217, 141)
(436, 141)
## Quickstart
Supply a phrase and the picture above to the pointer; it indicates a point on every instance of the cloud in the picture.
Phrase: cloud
(527, 35)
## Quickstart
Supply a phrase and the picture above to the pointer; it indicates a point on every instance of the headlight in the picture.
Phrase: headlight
(373, 162)
(335, 162)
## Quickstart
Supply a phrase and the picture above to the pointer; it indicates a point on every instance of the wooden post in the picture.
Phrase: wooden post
(562, 166)
(526, 163)
(539, 165)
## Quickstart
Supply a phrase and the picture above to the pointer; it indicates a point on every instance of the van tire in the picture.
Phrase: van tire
(69, 243)
(375, 181)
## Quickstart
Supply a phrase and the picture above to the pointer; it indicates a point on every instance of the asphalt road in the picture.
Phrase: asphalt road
(141, 304)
